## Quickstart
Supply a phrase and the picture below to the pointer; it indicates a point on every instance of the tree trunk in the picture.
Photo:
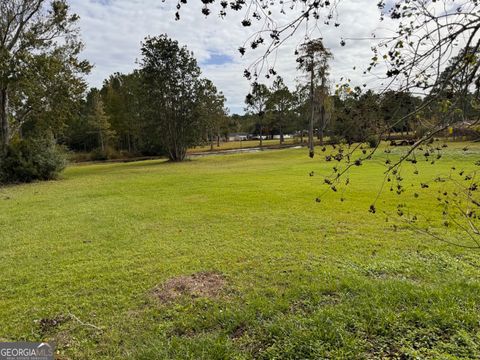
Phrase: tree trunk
(102, 145)
(177, 153)
(183, 154)
(322, 125)
(261, 136)
(5, 129)
(281, 136)
(310, 130)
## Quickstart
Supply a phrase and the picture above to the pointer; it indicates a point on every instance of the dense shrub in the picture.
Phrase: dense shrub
(108, 153)
(466, 133)
(28, 160)
(422, 131)
(99, 155)
(373, 141)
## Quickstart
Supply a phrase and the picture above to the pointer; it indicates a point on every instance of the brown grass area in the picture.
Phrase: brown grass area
(203, 284)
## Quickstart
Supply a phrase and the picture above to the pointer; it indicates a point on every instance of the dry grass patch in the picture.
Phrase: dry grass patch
(206, 284)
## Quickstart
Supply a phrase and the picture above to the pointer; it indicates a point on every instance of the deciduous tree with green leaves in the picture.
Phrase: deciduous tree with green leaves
(121, 95)
(256, 102)
(211, 107)
(40, 73)
(100, 122)
(313, 61)
(171, 85)
(280, 104)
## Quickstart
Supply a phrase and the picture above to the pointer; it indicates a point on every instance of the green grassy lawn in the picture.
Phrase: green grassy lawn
(303, 280)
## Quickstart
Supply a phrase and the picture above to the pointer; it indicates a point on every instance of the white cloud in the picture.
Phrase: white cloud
(114, 29)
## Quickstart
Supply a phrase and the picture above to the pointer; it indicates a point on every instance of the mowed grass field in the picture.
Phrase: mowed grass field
(84, 261)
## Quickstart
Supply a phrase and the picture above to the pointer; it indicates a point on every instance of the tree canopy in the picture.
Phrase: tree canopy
(40, 72)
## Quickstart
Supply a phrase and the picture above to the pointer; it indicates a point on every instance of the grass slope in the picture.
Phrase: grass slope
(304, 280)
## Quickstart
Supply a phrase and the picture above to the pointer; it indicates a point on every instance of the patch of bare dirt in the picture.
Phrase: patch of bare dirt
(207, 284)
(238, 332)
(46, 325)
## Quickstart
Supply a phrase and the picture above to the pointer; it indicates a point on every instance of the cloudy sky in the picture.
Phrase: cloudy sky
(114, 29)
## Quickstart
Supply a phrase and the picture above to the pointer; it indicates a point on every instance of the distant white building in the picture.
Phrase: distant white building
(237, 137)
(286, 136)
(257, 137)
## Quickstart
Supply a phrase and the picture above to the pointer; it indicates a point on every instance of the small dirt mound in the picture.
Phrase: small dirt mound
(48, 324)
(203, 284)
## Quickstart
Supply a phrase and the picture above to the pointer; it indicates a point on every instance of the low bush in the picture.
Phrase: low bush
(99, 155)
(422, 131)
(107, 154)
(373, 141)
(27, 160)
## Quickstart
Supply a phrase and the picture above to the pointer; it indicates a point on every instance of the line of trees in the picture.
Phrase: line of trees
(163, 108)
(357, 115)
(346, 115)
